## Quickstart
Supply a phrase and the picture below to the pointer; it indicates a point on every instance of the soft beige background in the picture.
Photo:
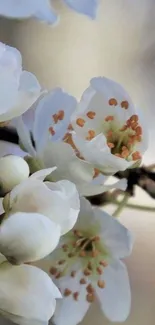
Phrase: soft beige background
(120, 45)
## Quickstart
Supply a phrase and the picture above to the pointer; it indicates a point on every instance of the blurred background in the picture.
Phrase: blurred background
(119, 45)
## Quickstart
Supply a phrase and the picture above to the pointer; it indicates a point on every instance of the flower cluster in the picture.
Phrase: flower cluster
(71, 149)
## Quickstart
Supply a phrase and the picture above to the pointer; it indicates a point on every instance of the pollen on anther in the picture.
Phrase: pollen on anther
(90, 297)
(91, 135)
(51, 130)
(73, 274)
(80, 122)
(90, 288)
(91, 115)
(99, 270)
(83, 281)
(53, 270)
(89, 265)
(61, 115)
(95, 253)
(76, 295)
(103, 263)
(55, 118)
(138, 130)
(65, 247)
(113, 101)
(87, 272)
(110, 145)
(109, 118)
(70, 128)
(101, 284)
(125, 104)
(67, 292)
(136, 155)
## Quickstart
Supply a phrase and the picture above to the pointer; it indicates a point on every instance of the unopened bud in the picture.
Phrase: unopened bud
(13, 170)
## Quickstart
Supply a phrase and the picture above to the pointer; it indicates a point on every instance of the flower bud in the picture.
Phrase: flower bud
(13, 170)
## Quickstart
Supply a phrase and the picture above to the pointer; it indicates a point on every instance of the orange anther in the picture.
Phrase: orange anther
(125, 104)
(76, 295)
(83, 281)
(82, 254)
(90, 288)
(136, 155)
(110, 145)
(91, 115)
(80, 122)
(67, 292)
(90, 297)
(51, 130)
(87, 272)
(109, 118)
(53, 270)
(99, 270)
(101, 284)
(125, 153)
(70, 128)
(124, 128)
(103, 263)
(91, 135)
(112, 101)
(61, 115)
(55, 118)
(134, 118)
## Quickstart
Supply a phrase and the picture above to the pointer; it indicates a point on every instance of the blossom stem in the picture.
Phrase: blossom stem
(121, 205)
(136, 206)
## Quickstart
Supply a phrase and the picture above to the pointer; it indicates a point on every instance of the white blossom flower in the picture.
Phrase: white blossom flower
(57, 201)
(107, 130)
(13, 170)
(19, 89)
(86, 267)
(28, 237)
(27, 295)
(42, 9)
(54, 146)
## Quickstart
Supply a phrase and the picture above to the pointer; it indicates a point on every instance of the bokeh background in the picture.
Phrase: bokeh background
(119, 45)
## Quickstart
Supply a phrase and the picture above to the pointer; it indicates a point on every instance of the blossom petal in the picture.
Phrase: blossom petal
(115, 298)
(43, 173)
(62, 155)
(97, 152)
(24, 135)
(20, 9)
(115, 236)
(86, 7)
(26, 294)
(68, 310)
(50, 105)
(94, 189)
(27, 237)
(45, 12)
(70, 194)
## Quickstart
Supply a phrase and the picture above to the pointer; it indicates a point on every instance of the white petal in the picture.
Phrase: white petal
(49, 105)
(42, 199)
(45, 12)
(62, 155)
(115, 236)
(94, 189)
(18, 9)
(69, 311)
(70, 194)
(26, 295)
(86, 7)
(24, 135)
(27, 237)
(115, 298)
(43, 173)
(29, 82)
(97, 152)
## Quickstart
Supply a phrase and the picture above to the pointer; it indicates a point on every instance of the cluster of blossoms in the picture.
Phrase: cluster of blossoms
(71, 150)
